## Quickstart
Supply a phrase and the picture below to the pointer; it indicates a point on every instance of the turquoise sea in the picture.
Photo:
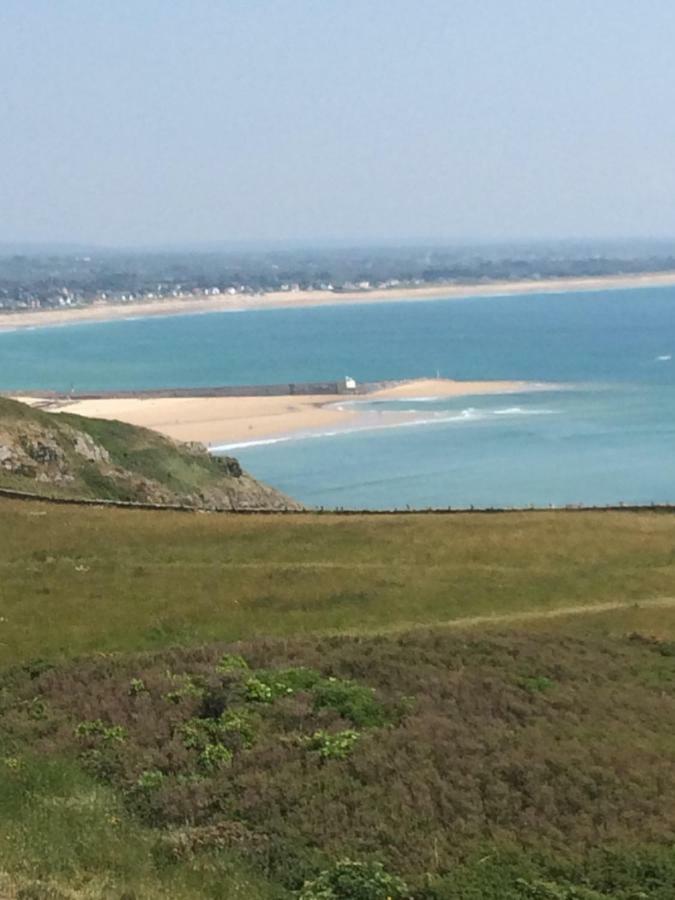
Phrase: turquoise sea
(606, 435)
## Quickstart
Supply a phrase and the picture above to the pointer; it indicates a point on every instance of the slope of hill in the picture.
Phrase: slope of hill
(517, 747)
(62, 455)
(442, 766)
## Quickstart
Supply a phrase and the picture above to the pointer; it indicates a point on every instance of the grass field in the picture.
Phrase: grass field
(481, 703)
(78, 580)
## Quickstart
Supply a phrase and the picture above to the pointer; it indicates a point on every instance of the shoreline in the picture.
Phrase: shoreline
(184, 305)
(222, 422)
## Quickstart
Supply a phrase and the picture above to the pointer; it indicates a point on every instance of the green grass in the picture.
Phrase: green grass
(64, 834)
(104, 580)
(504, 749)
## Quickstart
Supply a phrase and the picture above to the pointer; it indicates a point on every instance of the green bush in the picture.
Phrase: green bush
(185, 687)
(195, 733)
(332, 746)
(239, 722)
(352, 701)
(137, 686)
(349, 880)
(206, 737)
(230, 662)
(150, 780)
(95, 728)
(268, 685)
(214, 756)
(537, 684)
(258, 691)
(298, 679)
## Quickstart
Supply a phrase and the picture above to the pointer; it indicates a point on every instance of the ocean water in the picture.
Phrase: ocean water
(605, 435)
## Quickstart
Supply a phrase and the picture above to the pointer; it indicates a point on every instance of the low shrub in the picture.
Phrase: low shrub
(234, 723)
(185, 688)
(354, 702)
(537, 684)
(268, 685)
(258, 691)
(332, 746)
(548, 890)
(137, 686)
(150, 780)
(238, 722)
(230, 662)
(348, 880)
(95, 728)
(215, 756)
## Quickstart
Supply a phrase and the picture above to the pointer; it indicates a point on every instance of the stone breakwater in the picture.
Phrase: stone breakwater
(290, 389)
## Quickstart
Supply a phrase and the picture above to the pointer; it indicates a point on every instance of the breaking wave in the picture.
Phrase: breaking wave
(470, 414)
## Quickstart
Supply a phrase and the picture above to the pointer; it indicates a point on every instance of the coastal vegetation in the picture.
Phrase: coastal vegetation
(345, 708)
(69, 456)
(110, 580)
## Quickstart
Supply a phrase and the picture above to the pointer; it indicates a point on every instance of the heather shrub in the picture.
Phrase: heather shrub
(185, 688)
(478, 759)
(548, 890)
(36, 708)
(103, 763)
(217, 699)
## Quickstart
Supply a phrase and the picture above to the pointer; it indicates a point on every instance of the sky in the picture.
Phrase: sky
(147, 122)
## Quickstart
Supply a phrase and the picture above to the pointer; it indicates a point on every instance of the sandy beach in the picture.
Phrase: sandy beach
(217, 421)
(184, 305)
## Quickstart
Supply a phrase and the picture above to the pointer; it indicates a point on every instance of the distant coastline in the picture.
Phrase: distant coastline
(189, 304)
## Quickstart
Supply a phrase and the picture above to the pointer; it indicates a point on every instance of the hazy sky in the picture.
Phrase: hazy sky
(155, 121)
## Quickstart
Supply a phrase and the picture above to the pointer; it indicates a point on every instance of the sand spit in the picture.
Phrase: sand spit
(219, 421)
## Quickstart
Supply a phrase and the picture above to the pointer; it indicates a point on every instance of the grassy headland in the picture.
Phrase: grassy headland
(218, 706)
(71, 456)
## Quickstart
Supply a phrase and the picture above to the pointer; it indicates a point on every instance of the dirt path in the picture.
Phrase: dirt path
(559, 612)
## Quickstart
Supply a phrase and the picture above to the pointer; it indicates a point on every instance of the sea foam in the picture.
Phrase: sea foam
(470, 414)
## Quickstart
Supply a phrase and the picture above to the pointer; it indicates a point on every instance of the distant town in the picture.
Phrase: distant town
(53, 278)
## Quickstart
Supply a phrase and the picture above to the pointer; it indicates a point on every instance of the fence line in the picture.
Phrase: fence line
(28, 496)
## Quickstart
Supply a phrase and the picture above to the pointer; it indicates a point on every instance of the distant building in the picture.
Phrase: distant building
(350, 383)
